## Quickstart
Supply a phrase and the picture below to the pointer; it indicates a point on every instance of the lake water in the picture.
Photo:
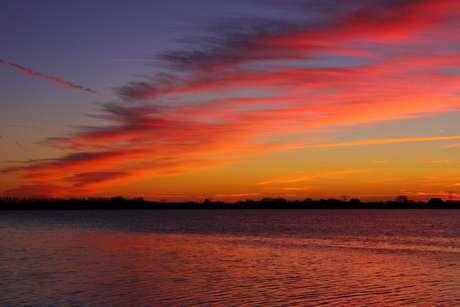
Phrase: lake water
(230, 258)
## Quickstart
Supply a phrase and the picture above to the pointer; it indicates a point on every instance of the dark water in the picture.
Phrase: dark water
(230, 258)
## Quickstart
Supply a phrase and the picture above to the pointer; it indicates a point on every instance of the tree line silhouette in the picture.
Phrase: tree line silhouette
(119, 202)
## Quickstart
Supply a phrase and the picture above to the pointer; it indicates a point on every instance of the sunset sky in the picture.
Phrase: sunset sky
(230, 100)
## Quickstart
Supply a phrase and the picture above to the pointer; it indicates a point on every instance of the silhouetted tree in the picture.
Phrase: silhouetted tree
(450, 193)
(117, 198)
(401, 199)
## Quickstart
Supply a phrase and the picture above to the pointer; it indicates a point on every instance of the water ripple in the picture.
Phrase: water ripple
(317, 259)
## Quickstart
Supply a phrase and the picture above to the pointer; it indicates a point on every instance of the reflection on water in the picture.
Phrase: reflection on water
(232, 258)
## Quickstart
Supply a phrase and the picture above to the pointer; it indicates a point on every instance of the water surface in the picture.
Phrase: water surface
(230, 258)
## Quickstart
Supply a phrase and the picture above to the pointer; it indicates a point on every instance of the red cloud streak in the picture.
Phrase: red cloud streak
(254, 92)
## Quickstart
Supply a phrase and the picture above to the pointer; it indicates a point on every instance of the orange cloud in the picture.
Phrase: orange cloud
(451, 145)
(385, 180)
(290, 179)
(290, 189)
(311, 176)
(237, 195)
(385, 141)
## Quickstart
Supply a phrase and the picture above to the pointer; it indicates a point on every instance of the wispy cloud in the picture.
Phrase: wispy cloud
(385, 141)
(385, 180)
(37, 75)
(289, 189)
(237, 195)
(255, 85)
(451, 145)
(311, 176)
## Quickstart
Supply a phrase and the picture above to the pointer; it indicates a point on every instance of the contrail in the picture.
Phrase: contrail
(147, 60)
(37, 75)
(24, 149)
(136, 60)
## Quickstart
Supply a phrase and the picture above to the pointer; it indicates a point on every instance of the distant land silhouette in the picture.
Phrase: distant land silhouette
(121, 203)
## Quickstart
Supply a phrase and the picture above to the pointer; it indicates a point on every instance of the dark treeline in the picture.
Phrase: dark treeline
(119, 202)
